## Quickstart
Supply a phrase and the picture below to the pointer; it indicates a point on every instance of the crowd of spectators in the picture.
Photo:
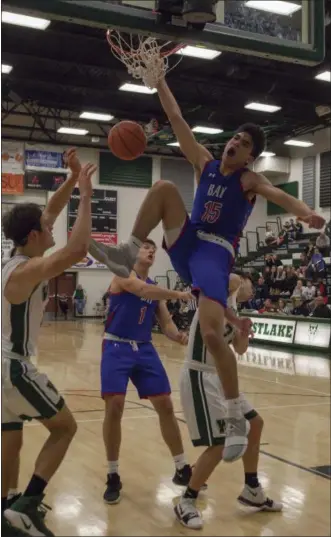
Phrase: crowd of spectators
(238, 15)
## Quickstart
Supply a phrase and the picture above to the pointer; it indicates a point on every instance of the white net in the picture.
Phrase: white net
(143, 57)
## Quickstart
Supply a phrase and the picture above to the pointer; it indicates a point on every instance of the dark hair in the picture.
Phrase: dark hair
(150, 241)
(257, 135)
(22, 219)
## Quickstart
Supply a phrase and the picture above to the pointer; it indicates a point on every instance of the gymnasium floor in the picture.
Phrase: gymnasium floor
(292, 396)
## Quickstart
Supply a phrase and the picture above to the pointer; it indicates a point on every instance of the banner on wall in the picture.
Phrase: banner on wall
(12, 184)
(314, 334)
(44, 159)
(104, 222)
(12, 159)
(39, 180)
(273, 329)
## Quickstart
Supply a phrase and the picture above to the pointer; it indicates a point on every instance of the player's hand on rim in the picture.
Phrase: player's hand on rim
(84, 179)
(73, 161)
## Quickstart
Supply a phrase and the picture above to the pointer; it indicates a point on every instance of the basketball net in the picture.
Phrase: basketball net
(145, 59)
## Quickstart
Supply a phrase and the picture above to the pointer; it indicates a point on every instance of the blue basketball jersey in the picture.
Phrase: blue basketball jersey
(220, 205)
(131, 317)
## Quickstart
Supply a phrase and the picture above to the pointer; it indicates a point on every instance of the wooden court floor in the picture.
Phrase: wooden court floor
(293, 396)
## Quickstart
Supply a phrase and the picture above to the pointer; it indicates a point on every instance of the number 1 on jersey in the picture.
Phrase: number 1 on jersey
(212, 212)
(142, 315)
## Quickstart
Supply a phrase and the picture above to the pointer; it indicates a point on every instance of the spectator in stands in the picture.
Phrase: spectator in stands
(298, 229)
(261, 293)
(300, 307)
(320, 287)
(323, 243)
(283, 308)
(79, 298)
(269, 262)
(298, 290)
(320, 309)
(280, 274)
(309, 292)
(268, 307)
(316, 267)
(276, 260)
(309, 250)
(303, 260)
(270, 236)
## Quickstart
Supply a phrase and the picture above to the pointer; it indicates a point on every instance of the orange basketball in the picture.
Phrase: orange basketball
(127, 140)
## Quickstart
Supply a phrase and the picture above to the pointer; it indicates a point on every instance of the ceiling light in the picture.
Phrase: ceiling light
(206, 130)
(298, 143)
(267, 154)
(274, 6)
(325, 76)
(69, 130)
(262, 107)
(5, 69)
(96, 117)
(199, 52)
(25, 20)
(137, 88)
(175, 144)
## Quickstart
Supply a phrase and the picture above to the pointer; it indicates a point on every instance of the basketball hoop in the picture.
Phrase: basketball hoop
(143, 57)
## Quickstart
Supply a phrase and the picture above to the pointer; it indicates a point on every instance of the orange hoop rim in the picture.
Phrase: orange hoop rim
(133, 53)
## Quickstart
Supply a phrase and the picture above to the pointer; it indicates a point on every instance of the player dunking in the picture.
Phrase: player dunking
(128, 353)
(202, 249)
(202, 399)
(26, 393)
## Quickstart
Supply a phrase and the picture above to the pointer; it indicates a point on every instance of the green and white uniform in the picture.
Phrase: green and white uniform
(201, 392)
(26, 393)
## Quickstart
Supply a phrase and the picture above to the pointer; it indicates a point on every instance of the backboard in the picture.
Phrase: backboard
(295, 33)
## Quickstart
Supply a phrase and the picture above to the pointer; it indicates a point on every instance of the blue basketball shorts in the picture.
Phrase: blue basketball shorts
(203, 264)
(120, 363)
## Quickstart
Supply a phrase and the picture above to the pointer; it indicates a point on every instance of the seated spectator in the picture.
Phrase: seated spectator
(298, 290)
(268, 307)
(298, 228)
(79, 298)
(269, 235)
(323, 243)
(309, 250)
(276, 260)
(316, 267)
(283, 308)
(309, 292)
(269, 262)
(320, 287)
(280, 274)
(320, 309)
(300, 307)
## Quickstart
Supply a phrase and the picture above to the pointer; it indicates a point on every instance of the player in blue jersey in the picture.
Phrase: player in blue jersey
(202, 248)
(128, 354)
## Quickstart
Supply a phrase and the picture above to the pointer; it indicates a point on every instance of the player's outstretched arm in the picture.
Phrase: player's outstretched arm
(148, 290)
(61, 197)
(168, 327)
(193, 151)
(260, 185)
(26, 276)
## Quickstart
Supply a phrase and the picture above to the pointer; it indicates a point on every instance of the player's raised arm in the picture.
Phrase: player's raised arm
(193, 151)
(259, 184)
(37, 269)
(148, 290)
(61, 197)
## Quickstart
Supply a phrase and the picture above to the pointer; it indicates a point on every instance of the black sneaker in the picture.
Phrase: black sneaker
(24, 515)
(42, 507)
(7, 530)
(114, 486)
(182, 477)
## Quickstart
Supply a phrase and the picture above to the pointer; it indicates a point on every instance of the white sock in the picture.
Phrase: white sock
(12, 493)
(134, 245)
(234, 408)
(180, 461)
(113, 467)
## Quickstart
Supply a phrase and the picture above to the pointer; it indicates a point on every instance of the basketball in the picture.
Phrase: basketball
(127, 140)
